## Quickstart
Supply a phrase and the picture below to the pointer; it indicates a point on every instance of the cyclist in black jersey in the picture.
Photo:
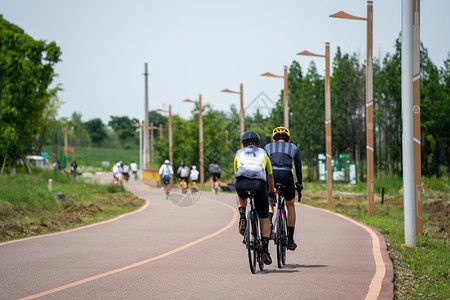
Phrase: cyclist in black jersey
(281, 153)
(253, 169)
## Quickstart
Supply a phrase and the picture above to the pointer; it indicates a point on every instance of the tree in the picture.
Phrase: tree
(97, 131)
(348, 107)
(26, 72)
(125, 129)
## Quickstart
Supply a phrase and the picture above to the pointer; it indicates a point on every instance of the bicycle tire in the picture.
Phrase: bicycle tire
(284, 237)
(281, 238)
(258, 248)
(250, 243)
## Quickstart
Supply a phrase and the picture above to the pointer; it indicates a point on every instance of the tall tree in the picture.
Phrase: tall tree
(26, 72)
(97, 131)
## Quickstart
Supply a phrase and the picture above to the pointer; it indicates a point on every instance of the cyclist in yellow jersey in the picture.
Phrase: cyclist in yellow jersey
(253, 169)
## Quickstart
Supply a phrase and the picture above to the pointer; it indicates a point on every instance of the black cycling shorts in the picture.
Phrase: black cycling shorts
(215, 176)
(259, 186)
(286, 178)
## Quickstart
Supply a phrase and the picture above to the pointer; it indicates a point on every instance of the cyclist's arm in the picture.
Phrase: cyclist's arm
(298, 167)
(235, 164)
(269, 171)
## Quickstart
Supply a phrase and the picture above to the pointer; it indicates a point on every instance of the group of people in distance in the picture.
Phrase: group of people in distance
(255, 169)
(185, 173)
(121, 171)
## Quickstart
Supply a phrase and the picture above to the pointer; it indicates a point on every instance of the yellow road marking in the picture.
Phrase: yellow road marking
(140, 263)
(380, 267)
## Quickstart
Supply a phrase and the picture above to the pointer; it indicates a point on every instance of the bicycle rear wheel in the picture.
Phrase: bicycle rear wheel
(258, 248)
(281, 238)
(251, 242)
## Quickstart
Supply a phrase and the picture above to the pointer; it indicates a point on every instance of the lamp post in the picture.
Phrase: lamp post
(146, 121)
(170, 132)
(369, 101)
(327, 118)
(241, 116)
(285, 94)
(152, 151)
(200, 121)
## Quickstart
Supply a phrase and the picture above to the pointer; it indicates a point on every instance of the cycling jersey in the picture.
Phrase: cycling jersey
(252, 162)
(281, 155)
(166, 170)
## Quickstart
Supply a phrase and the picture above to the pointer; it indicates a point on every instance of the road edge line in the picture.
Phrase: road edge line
(376, 283)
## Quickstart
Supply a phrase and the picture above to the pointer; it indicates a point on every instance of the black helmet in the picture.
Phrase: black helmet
(250, 136)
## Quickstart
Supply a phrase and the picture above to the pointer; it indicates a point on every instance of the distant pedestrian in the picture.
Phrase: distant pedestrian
(134, 169)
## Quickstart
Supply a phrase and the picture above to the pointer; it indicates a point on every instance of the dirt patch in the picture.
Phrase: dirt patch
(438, 221)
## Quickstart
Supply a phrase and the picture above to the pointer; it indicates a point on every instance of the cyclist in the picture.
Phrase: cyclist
(183, 171)
(166, 173)
(215, 171)
(252, 169)
(281, 153)
(117, 171)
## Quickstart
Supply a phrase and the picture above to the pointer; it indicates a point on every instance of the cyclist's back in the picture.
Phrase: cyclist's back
(282, 153)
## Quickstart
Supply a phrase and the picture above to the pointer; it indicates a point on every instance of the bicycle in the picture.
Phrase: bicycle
(216, 187)
(281, 240)
(280, 227)
(184, 186)
(166, 183)
(194, 187)
(252, 238)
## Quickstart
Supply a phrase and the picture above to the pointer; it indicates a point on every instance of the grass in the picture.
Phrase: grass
(87, 156)
(421, 272)
(27, 208)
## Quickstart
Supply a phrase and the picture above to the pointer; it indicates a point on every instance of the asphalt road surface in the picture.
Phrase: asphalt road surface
(190, 248)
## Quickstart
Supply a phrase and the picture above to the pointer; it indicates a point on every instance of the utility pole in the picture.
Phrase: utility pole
(407, 117)
(146, 158)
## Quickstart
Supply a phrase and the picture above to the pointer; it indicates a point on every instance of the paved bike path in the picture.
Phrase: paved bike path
(170, 252)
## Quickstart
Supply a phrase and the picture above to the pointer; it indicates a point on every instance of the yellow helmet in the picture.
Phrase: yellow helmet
(281, 130)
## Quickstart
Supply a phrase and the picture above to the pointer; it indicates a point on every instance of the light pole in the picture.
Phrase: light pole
(152, 151)
(170, 132)
(369, 101)
(241, 116)
(146, 121)
(285, 94)
(327, 118)
(200, 121)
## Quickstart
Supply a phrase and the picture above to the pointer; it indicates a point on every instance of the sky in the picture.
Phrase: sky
(200, 47)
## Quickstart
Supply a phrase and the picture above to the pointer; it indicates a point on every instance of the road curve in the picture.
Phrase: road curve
(165, 251)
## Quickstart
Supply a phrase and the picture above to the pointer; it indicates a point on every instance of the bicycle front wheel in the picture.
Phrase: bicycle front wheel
(251, 242)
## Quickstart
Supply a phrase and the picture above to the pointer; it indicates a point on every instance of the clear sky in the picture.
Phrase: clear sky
(197, 47)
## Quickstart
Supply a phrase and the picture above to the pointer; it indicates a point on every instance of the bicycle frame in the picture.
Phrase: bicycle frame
(280, 228)
(252, 238)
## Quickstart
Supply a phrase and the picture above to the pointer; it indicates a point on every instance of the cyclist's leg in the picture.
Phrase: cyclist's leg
(262, 207)
(242, 185)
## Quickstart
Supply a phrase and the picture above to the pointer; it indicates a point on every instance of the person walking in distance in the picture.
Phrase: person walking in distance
(134, 169)
(281, 152)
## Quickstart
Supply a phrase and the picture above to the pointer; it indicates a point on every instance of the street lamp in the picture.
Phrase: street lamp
(170, 132)
(241, 117)
(285, 94)
(327, 117)
(369, 101)
(200, 121)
